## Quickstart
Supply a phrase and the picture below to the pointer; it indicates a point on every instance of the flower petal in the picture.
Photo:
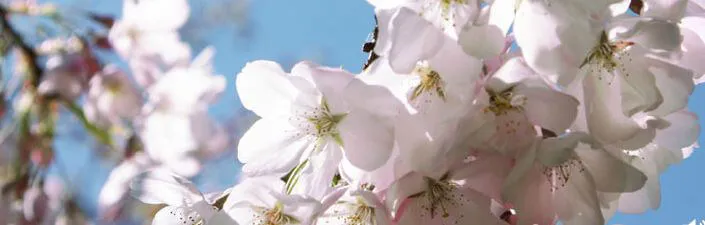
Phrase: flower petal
(682, 132)
(639, 89)
(603, 109)
(413, 39)
(648, 197)
(271, 145)
(482, 41)
(609, 173)
(548, 108)
(577, 202)
(675, 85)
(266, 89)
(159, 186)
(367, 140)
(672, 10)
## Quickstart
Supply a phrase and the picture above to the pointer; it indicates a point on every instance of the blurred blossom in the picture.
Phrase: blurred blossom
(112, 97)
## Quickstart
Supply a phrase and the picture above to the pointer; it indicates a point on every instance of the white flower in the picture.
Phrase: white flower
(406, 39)
(446, 15)
(419, 199)
(179, 141)
(118, 182)
(516, 100)
(112, 97)
(183, 90)
(670, 146)
(261, 200)
(185, 204)
(357, 206)
(147, 36)
(562, 176)
(65, 77)
(303, 114)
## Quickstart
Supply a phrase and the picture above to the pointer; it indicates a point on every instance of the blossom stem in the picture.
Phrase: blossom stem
(101, 135)
(294, 176)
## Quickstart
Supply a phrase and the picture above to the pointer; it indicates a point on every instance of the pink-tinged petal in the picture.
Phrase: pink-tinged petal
(603, 109)
(266, 89)
(460, 207)
(413, 39)
(422, 143)
(683, 131)
(486, 174)
(513, 133)
(548, 108)
(401, 189)
(554, 38)
(695, 7)
(527, 191)
(610, 174)
(367, 141)
(577, 202)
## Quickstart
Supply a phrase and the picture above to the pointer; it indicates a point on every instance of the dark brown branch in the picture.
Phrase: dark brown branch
(33, 69)
(369, 46)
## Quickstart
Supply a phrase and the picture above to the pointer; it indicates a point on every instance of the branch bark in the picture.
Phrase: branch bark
(30, 56)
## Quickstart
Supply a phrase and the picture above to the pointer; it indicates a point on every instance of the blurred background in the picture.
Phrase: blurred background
(329, 32)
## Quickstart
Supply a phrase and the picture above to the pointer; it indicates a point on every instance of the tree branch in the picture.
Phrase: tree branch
(33, 69)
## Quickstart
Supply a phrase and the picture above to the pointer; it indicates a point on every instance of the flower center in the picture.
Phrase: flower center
(113, 87)
(438, 197)
(558, 176)
(606, 55)
(363, 215)
(274, 216)
(431, 83)
(505, 101)
(325, 123)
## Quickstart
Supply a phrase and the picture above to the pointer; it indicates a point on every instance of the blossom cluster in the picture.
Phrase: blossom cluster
(151, 111)
(467, 112)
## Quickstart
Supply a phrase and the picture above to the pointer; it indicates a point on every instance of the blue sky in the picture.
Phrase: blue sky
(332, 32)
